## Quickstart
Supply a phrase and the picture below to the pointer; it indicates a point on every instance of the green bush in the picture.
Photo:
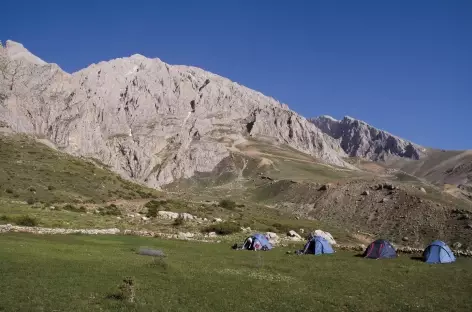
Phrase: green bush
(30, 201)
(73, 208)
(227, 204)
(26, 221)
(223, 228)
(110, 210)
(154, 203)
(179, 221)
(152, 212)
(5, 218)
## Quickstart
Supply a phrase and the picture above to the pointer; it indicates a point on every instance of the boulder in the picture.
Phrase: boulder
(292, 234)
(217, 220)
(185, 235)
(212, 234)
(325, 187)
(365, 193)
(422, 189)
(187, 216)
(246, 230)
(389, 186)
(457, 245)
(325, 235)
(169, 215)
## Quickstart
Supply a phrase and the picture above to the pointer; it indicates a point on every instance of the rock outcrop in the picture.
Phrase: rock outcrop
(359, 139)
(149, 121)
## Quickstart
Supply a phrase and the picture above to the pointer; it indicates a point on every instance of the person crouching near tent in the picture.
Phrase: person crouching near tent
(255, 242)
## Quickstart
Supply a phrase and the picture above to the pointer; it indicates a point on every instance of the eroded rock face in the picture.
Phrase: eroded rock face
(149, 121)
(359, 139)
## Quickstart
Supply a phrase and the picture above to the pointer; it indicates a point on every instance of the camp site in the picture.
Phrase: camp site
(249, 155)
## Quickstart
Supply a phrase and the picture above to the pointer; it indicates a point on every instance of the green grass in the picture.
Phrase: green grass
(83, 273)
(33, 172)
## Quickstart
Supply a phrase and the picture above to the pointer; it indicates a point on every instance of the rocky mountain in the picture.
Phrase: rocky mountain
(359, 139)
(149, 121)
(156, 123)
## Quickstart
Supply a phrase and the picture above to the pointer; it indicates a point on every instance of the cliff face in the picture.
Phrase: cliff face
(359, 139)
(149, 121)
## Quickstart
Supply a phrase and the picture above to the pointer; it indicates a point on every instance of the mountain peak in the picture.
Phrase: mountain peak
(359, 139)
(16, 51)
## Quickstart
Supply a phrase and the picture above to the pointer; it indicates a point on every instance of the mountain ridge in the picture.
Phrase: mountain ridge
(156, 123)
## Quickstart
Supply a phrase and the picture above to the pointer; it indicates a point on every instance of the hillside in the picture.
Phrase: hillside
(202, 138)
(34, 172)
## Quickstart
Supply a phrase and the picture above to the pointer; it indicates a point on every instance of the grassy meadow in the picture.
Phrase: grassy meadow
(84, 273)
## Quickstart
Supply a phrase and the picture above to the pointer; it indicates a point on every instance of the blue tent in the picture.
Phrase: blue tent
(318, 245)
(257, 242)
(438, 252)
(380, 249)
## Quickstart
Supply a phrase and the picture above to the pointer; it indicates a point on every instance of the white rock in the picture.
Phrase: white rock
(185, 235)
(187, 216)
(272, 235)
(292, 233)
(144, 218)
(217, 220)
(326, 235)
(212, 234)
(169, 215)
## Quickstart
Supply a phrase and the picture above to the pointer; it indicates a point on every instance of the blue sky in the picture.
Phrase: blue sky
(403, 66)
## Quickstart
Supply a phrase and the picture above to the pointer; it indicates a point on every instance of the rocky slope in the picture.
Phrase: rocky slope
(156, 123)
(359, 139)
(149, 121)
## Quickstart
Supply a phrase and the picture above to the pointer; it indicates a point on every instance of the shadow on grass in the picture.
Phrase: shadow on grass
(360, 255)
(417, 258)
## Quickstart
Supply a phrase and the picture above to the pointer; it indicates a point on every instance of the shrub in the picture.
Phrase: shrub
(151, 212)
(179, 221)
(223, 228)
(282, 228)
(51, 188)
(26, 221)
(126, 291)
(30, 201)
(73, 208)
(9, 191)
(155, 203)
(5, 218)
(110, 210)
(32, 189)
(227, 204)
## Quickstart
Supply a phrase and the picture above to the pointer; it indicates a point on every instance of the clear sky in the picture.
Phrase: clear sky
(404, 66)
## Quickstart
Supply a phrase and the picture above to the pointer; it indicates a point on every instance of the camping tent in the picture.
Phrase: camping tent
(380, 249)
(438, 252)
(318, 246)
(257, 242)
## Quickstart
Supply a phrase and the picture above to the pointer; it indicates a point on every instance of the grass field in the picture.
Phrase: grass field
(34, 172)
(83, 273)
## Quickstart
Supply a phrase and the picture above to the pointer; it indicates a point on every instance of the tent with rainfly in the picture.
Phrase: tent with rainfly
(318, 245)
(380, 249)
(438, 252)
(257, 242)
